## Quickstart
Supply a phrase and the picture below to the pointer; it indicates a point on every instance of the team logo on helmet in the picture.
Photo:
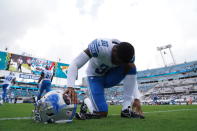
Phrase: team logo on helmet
(53, 108)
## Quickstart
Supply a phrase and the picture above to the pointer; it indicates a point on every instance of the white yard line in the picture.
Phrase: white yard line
(164, 111)
(23, 118)
(15, 118)
(171, 110)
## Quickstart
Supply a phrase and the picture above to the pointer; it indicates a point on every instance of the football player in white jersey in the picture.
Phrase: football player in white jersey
(46, 77)
(7, 82)
(110, 62)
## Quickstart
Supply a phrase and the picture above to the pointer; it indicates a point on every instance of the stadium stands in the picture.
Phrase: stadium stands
(177, 82)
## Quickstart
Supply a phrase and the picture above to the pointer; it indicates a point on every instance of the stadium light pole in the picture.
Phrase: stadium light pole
(169, 46)
(160, 49)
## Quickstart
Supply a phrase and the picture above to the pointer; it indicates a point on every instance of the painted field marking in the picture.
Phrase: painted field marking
(25, 118)
(164, 111)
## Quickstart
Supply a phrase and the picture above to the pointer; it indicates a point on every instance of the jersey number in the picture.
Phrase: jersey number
(8, 78)
(48, 76)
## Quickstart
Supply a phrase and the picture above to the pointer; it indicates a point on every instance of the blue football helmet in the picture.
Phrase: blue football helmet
(54, 107)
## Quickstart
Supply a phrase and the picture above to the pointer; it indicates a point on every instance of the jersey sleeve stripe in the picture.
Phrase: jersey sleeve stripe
(93, 48)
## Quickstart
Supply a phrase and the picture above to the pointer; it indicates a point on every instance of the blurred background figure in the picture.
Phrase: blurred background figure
(7, 82)
(46, 77)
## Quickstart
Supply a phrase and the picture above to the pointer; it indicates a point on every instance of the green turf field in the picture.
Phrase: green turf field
(158, 118)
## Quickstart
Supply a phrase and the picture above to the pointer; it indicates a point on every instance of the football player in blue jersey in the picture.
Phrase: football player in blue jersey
(110, 62)
(7, 82)
(46, 77)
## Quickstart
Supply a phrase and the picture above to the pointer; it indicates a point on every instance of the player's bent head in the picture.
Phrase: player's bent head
(125, 52)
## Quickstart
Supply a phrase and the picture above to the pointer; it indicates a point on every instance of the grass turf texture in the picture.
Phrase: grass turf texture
(177, 119)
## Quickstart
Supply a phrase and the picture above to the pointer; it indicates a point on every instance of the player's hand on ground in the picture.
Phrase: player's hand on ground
(137, 107)
(72, 94)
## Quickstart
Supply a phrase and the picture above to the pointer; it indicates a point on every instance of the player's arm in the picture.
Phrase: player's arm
(41, 77)
(128, 67)
(129, 84)
(132, 94)
(14, 80)
(52, 76)
(75, 65)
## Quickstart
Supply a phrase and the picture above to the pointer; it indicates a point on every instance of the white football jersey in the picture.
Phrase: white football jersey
(47, 75)
(8, 79)
(100, 63)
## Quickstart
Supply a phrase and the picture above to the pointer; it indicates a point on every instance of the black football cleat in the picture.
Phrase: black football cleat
(130, 114)
(83, 110)
(80, 116)
(83, 114)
